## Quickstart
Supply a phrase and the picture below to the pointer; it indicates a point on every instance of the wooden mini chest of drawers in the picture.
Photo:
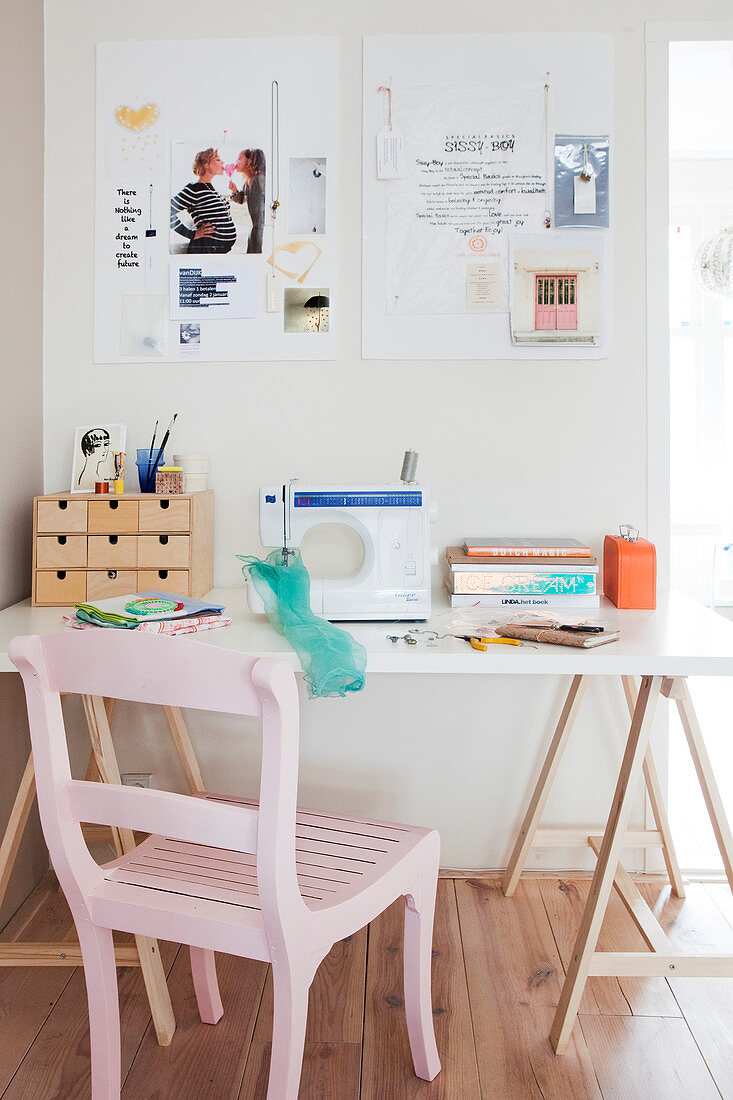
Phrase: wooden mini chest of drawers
(92, 547)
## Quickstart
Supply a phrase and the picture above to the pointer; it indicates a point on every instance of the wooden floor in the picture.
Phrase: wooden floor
(498, 965)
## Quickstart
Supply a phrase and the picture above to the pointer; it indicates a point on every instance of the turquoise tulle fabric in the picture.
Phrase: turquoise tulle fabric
(334, 663)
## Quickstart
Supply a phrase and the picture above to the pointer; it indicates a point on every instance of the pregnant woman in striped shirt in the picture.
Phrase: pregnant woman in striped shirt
(214, 229)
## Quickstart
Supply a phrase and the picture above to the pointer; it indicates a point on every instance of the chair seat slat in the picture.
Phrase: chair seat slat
(328, 871)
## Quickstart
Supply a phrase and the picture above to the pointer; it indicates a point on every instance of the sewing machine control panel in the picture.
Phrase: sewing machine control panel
(401, 549)
(411, 499)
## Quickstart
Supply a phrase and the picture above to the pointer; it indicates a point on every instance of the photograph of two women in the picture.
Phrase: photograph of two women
(218, 199)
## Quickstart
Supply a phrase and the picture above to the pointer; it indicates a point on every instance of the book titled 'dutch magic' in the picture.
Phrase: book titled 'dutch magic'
(526, 548)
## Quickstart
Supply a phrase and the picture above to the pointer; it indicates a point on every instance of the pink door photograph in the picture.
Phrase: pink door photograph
(556, 302)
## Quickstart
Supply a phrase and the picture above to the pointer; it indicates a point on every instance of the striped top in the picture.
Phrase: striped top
(205, 205)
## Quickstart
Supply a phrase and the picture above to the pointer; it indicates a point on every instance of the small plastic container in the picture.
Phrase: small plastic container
(147, 463)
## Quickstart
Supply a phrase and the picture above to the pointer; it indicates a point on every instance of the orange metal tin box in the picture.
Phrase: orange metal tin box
(630, 572)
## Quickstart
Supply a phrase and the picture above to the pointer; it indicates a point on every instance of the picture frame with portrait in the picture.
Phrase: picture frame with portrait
(95, 446)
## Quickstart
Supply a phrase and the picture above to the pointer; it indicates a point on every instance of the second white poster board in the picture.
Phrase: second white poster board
(476, 116)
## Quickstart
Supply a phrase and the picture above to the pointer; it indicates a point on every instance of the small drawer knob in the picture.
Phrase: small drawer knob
(112, 574)
(61, 574)
(165, 503)
(163, 540)
(163, 574)
(114, 504)
(61, 539)
(63, 505)
(113, 540)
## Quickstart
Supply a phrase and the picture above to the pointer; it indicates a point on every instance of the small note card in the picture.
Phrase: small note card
(483, 285)
(390, 154)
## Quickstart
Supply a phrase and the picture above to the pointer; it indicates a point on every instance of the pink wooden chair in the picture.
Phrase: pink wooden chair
(262, 881)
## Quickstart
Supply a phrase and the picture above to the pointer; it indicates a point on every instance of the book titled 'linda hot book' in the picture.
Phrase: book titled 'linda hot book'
(517, 602)
(526, 548)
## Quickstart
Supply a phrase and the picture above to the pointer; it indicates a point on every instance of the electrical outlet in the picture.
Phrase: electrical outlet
(137, 779)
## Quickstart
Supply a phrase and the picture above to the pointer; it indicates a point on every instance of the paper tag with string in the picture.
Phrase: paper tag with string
(584, 195)
(390, 146)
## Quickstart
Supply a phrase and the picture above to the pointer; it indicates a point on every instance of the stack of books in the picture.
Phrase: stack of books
(520, 574)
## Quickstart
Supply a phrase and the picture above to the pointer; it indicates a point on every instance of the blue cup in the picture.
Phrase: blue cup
(147, 463)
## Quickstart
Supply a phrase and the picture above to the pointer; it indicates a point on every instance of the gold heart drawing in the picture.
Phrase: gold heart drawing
(302, 263)
(137, 120)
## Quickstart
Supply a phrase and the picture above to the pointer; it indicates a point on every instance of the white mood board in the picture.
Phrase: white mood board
(159, 102)
(478, 134)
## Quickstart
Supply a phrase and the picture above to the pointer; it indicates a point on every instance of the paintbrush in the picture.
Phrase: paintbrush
(165, 440)
(150, 452)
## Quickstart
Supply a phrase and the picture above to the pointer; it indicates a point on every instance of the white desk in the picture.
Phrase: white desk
(663, 647)
(680, 638)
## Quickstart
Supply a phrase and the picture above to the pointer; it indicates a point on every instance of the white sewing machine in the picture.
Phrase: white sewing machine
(393, 523)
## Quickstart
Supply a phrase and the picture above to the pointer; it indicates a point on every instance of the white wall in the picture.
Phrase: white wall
(21, 412)
(557, 448)
(21, 408)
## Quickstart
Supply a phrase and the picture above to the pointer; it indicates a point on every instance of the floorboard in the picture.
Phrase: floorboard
(564, 902)
(202, 1060)
(28, 994)
(497, 973)
(514, 980)
(60, 1065)
(698, 925)
(331, 1071)
(387, 1072)
(647, 1058)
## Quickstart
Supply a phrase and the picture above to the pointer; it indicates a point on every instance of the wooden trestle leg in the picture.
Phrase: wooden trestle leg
(542, 789)
(656, 801)
(528, 833)
(676, 688)
(608, 860)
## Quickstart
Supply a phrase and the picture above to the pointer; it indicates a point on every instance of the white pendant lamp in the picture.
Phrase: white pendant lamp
(713, 264)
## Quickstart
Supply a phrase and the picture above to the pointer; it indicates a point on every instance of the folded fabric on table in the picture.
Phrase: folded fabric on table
(190, 625)
(125, 612)
(333, 661)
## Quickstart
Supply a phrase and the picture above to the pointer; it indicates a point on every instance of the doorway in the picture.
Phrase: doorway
(699, 161)
(556, 302)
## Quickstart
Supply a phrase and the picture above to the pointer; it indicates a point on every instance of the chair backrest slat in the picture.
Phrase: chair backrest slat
(196, 820)
(123, 664)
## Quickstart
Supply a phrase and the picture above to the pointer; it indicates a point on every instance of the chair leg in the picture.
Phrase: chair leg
(290, 990)
(203, 971)
(419, 914)
(100, 975)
